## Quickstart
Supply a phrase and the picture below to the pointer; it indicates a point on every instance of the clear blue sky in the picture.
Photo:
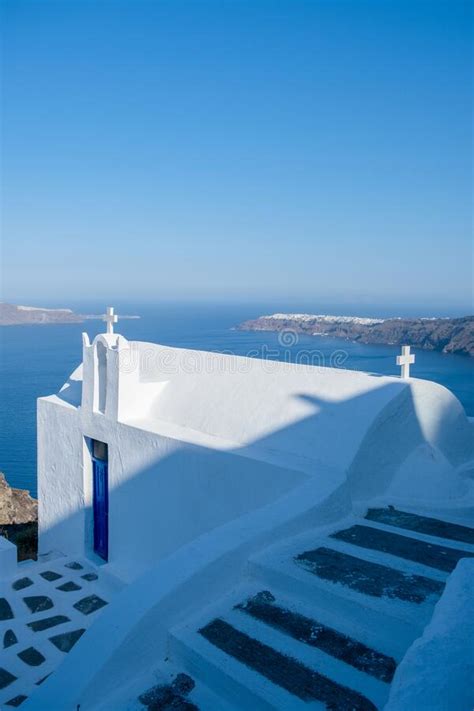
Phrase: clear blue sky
(315, 151)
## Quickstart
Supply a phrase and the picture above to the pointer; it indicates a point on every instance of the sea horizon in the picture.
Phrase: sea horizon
(255, 306)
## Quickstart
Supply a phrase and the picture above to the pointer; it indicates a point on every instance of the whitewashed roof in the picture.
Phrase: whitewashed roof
(304, 413)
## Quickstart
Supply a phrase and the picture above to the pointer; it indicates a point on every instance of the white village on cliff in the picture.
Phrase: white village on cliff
(219, 532)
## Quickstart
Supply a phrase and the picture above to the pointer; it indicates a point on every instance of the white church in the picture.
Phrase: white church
(219, 532)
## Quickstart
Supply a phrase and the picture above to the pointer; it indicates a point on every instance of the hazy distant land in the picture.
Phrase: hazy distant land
(12, 315)
(448, 335)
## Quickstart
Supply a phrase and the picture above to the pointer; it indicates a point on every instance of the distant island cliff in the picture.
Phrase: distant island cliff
(12, 315)
(448, 335)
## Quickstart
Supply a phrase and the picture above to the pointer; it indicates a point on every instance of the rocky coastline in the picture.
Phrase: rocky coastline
(16, 315)
(19, 519)
(448, 335)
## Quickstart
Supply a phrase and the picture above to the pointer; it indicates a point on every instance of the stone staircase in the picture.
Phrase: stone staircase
(323, 619)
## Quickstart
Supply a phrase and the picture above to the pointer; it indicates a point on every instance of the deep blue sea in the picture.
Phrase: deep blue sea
(36, 361)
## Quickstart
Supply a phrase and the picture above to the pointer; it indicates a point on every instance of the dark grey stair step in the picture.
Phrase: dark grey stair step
(430, 554)
(368, 578)
(315, 634)
(282, 670)
(170, 697)
(422, 524)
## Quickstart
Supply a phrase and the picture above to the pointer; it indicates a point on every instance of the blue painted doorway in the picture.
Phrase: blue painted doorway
(100, 469)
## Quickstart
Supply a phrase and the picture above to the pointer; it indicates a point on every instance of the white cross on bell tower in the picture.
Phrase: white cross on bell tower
(405, 360)
(110, 318)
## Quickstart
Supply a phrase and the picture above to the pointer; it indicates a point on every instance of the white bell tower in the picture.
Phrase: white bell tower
(110, 372)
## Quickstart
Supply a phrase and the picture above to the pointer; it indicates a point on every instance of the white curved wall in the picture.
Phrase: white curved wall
(425, 427)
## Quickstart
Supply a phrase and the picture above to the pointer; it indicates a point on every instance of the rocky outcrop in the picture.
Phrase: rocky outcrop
(449, 335)
(13, 315)
(16, 505)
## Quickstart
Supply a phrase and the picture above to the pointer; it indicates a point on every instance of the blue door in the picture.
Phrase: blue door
(101, 508)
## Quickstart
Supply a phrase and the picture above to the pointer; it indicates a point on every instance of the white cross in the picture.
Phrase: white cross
(110, 318)
(405, 360)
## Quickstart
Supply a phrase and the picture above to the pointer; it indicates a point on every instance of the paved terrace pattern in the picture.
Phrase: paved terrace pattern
(322, 618)
(44, 611)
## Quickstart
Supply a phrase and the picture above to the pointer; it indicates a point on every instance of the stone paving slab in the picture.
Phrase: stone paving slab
(16, 701)
(47, 623)
(38, 603)
(22, 583)
(74, 565)
(6, 678)
(6, 612)
(90, 604)
(69, 587)
(66, 641)
(43, 678)
(32, 657)
(9, 639)
(50, 575)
